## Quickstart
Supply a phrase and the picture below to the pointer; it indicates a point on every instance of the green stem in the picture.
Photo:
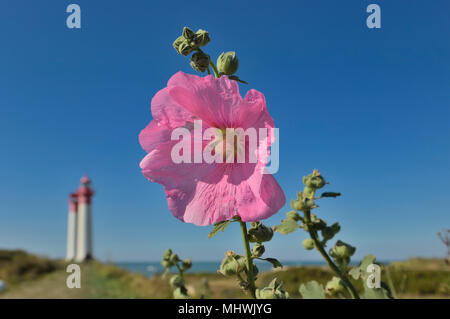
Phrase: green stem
(179, 270)
(249, 260)
(216, 73)
(331, 264)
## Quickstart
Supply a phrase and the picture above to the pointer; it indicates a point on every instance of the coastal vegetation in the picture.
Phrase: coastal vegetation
(31, 276)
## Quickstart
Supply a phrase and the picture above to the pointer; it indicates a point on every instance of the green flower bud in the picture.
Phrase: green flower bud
(176, 281)
(318, 223)
(184, 48)
(342, 250)
(293, 215)
(174, 259)
(327, 233)
(258, 250)
(273, 291)
(314, 181)
(180, 293)
(336, 228)
(303, 203)
(308, 244)
(259, 233)
(167, 254)
(227, 63)
(296, 204)
(166, 264)
(232, 264)
(186, 264)
(334, 286)
(188, 34)
(201, 38)
(200, 61)
(177, 43)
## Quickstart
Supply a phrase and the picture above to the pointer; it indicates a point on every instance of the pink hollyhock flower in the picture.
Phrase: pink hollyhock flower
(202, 193)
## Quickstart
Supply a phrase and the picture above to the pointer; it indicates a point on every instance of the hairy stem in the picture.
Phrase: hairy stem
(249, 260)
(216, 73)
(331, 264)
(180, 272)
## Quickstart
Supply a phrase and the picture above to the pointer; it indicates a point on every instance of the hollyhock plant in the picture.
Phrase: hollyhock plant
(226, 178)
(202, 193)
(214, 176)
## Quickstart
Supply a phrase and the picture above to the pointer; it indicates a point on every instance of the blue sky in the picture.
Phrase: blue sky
(369, 108)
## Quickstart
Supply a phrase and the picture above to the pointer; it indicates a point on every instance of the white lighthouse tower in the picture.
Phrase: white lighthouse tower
(84, 221)
(72, 227)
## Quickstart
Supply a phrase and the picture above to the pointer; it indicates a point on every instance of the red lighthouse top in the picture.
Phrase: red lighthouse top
(85, 192)
(73, 202)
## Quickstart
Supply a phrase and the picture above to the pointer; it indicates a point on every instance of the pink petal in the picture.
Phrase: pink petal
(212, 100)
(167, 111)
(253, 111)
(153, 135)
(253, 199)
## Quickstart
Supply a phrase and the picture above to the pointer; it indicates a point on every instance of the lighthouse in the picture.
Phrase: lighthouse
(72, 227)
(84, 221)
(79, 225)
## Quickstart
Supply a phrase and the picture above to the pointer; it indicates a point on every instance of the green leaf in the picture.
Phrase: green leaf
(312, 290)
(361, 270)
(218, 227)
(330, 194)
(375, 293)
(367, 260)
(275, 263)
(287, 226)
(355, 272)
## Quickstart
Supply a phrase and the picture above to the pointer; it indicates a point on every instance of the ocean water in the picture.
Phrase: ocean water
(151, 268)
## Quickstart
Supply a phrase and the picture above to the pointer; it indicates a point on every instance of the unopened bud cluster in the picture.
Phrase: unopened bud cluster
(243, 267)
(170, 260)
(306, 202)
(320, 233)
(341, 253)
(191, 42)
(259, 233)
(232, 264)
